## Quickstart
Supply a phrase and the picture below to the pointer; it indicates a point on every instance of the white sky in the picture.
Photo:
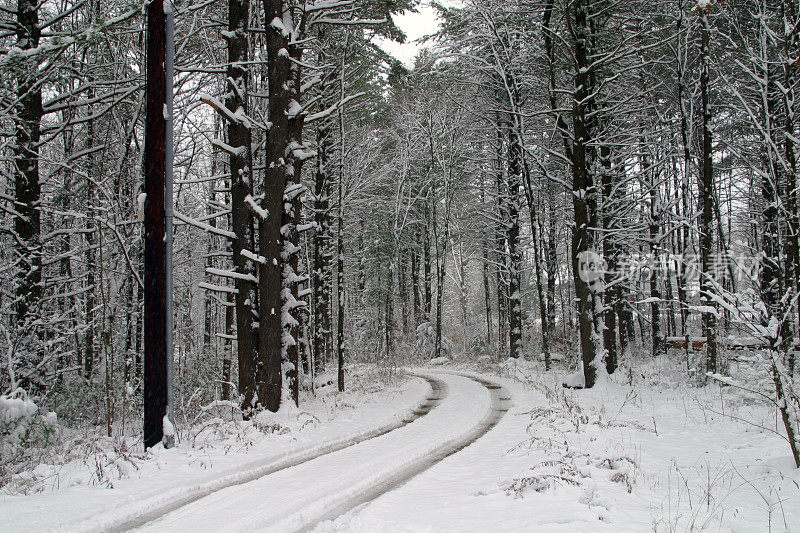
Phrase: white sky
(414, 25)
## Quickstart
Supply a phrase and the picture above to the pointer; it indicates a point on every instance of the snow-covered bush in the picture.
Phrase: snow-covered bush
(425, 343)
(748, 311)
(21, 425)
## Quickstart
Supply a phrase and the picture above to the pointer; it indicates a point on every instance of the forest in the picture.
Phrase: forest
(580, 187)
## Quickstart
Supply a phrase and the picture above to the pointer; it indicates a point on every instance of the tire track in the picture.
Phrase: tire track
(436, 395)
(500, 404)
(298, 499)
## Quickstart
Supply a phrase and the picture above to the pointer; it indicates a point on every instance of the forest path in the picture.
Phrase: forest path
(299, 497)
(438, 391)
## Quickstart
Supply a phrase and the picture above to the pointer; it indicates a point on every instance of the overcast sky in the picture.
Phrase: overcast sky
(414, 25)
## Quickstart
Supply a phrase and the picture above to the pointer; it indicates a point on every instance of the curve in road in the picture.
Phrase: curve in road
(437, 393)
(298, 498)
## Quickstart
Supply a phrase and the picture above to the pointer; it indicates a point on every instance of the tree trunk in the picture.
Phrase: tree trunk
(681, 277)
(654, 227)
(247, 299)
(208, 305)
(610, 254)
(792, 43)
(501, 245)
(155, 279)
(584, 201)
(514, 179)
(322, 251)
(293, 306)
(551, 261)
(416, 297)
(340, 291)
(427, 278)
(27, 190)
(706, 200)
(227, 354)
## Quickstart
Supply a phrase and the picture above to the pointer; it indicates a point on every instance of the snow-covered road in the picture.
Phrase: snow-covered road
(299, 497)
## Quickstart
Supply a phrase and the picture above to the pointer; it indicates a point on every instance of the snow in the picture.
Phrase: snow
(705, 309)
(20, 422)
(277, 23)
(576, 380)
(653, 456)
(140, 204)
(644, 450)
(318, 486)
(294, 108)
(239, 151)
(247, 254)
(72, 498)
(12, 409)
(231, 274)
(300, 151)
(237, 117)
(167, 427)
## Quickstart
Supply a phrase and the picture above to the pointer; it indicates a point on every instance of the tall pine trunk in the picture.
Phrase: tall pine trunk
(706, 200)
(584, 199)
(239, 136)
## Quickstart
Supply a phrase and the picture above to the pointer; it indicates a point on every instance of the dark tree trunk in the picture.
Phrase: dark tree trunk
(792, 43)
(340, 281)
(610, 254)
(402, 289)
(552, 269)
(584, 198)
(416, 297)
(322, 251)
(538, 249)
(487, 293)
(706, 200)
(270, 346)
(654, 227)
(293, 307)
(27, 223)
(227, 354)
(91, 266)
(681, 277)
(501, 244)
(27, 190)
(129, 331)
(155, 305)
(139, 324)
(208, 323)
(89, 302)
(340, 295)
(340, 290)
(514, 180)
(388, 317)
(427, 279)
(247, 299)
(441, 262)
(322, 270)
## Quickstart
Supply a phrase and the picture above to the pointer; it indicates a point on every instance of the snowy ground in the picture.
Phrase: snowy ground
(656, 456)
(334, 481)
(112, 483)
(636, 453)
